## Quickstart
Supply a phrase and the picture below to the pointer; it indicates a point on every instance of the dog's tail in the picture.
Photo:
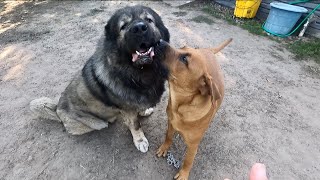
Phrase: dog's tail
(221, 46)
(44, 108)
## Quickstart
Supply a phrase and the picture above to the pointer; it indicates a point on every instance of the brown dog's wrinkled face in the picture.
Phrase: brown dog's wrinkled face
(188, 69)
(181, 64)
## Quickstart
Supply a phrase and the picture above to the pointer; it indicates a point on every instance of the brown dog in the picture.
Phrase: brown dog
(196, 89)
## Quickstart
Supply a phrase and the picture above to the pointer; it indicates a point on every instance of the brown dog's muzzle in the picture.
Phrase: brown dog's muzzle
(163, 51)
(160, 49)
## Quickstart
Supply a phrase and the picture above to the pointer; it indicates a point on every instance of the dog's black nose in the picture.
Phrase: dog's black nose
(139, 28)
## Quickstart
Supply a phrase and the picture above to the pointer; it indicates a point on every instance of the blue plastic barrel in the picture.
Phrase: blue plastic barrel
(282, 17)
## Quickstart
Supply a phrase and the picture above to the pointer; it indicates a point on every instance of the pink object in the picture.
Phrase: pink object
(134, 57)
(258, 172)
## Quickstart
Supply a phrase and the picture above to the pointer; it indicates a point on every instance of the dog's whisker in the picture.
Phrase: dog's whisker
(173, 77)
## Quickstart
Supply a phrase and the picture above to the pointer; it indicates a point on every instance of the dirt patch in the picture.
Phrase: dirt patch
(270, 113)
(18, 36)
(180, 13)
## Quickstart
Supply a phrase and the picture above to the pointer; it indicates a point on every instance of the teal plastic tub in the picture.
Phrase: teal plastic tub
(282, 17)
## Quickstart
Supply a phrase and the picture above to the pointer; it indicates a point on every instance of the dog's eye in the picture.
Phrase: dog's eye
(123, 26)
(149, 20)
(184, 59)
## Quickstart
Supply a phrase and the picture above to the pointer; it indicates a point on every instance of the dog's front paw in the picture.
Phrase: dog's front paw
(147, 112)
(182, 175)
(163, 150)
(142, 144)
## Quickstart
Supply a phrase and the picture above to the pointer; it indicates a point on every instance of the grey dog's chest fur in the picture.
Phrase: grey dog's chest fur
(119, 88)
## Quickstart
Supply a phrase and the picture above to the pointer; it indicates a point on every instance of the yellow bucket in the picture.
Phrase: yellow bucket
(246, 8)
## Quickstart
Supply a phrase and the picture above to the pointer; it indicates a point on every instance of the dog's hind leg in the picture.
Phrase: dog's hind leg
(72, 125)
(139, 139)
(91, 120)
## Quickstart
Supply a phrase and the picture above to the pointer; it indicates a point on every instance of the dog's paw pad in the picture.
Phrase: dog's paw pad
(142, 144)
(147, 112)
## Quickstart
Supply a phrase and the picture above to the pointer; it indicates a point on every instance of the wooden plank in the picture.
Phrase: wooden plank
(309, 5)
(315, 24)
(261, 15)
(229, 4)
(267, 1)
(267, 6)
(313, 32)
(264, 10)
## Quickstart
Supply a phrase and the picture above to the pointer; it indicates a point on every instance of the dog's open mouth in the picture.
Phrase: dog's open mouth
(143, 52)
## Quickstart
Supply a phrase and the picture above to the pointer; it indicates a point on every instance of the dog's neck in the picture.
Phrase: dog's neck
(180, 95)
(190, 105)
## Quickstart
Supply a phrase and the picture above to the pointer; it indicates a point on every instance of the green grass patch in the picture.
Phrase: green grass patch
(212, 12)
(202, 19)
(253, 26)
(221, 14)
(306, 49)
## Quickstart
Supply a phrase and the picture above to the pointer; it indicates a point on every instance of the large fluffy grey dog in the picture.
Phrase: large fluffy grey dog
(122, 79)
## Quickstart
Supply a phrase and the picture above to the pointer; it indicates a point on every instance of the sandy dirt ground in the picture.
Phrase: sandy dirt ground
(270, 113)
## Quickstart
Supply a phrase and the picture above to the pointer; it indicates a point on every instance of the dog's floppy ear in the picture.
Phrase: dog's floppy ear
(165, 35)
(108, 32)
(110, 29)
(208, 87)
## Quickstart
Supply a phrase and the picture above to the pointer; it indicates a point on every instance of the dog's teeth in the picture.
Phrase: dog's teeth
(145, 53)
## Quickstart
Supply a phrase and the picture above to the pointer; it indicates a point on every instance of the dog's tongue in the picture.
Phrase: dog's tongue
(151, 54)
(135, 56)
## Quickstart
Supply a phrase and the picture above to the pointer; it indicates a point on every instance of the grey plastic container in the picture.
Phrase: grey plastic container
(282, 17)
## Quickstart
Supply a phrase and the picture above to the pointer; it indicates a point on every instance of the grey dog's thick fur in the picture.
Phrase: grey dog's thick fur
(111, 86)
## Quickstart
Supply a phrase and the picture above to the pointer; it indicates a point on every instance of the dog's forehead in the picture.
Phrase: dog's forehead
(195, 56)
(123, 19)
(145, 14)
(188, 50)
(185, 47)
